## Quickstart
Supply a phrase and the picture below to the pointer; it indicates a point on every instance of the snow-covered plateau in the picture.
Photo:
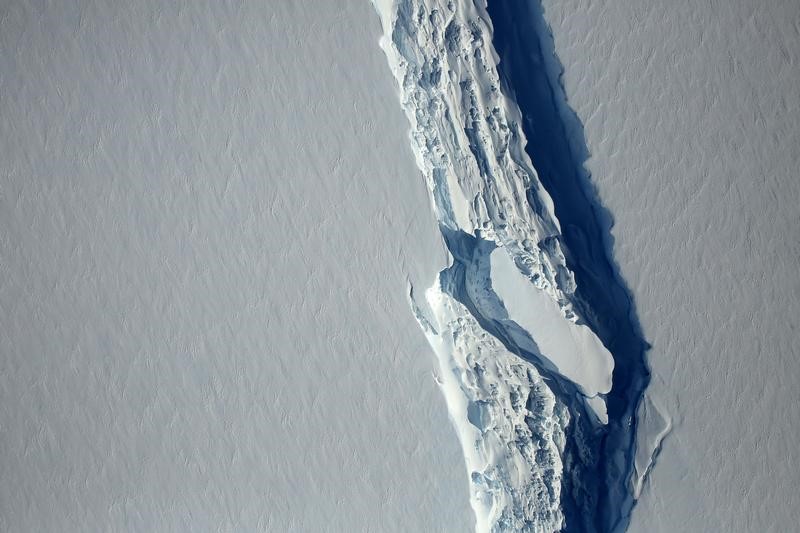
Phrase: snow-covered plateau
(537, 274)
(209, 214)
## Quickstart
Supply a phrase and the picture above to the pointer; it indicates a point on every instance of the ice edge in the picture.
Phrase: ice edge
(528, 406)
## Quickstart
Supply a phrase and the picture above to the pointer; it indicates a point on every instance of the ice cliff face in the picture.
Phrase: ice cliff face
(524, 376)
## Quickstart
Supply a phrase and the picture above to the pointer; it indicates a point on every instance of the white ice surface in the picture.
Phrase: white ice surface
(208, 211)
(692, 114)
(573, 349)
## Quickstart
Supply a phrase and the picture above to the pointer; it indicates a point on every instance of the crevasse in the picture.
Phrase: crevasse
(524, 376)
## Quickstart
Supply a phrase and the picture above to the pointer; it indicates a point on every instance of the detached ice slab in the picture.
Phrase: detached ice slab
(573, 349)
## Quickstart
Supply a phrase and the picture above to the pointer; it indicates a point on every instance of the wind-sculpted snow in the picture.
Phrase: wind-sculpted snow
(504, 318)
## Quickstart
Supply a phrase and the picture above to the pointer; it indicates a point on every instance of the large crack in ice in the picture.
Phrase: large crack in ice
(525, 374)
(530, 70)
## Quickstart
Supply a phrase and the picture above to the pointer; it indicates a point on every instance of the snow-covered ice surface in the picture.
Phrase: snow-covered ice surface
(208, 214)
(510, 293)
(692, 117)
(514, 437)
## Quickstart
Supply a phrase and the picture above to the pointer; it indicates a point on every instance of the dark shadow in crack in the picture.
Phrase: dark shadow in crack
(531, 73)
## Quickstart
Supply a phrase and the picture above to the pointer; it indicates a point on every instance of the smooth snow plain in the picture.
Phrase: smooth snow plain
(209, 217)
(692, 116)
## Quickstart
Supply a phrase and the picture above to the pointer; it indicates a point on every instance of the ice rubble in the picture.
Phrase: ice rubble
(470, 147)
(504, 308)
(510, 424)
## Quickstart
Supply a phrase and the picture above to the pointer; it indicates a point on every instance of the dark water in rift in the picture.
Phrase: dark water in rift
(530, 70)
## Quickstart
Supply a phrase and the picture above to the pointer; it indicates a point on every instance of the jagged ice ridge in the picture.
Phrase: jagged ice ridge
(517, 362)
